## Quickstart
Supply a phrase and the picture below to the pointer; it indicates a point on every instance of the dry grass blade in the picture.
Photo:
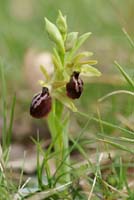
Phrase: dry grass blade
(95, 178)
(45, 194)
(126, 121)
(121, 192)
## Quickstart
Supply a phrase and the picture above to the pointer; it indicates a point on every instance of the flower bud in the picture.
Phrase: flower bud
(74, 87)
(61, 23)
(55, 34)
(41, 104)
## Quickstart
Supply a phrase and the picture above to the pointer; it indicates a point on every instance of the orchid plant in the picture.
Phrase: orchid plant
(56, 100)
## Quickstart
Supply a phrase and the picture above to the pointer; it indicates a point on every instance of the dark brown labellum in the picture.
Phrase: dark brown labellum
(74, 87)
(41, 104)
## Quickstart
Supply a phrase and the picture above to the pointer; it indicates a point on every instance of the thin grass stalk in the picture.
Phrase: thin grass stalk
(4, 128)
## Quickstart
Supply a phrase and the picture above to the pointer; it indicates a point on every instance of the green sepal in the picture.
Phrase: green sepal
(89, 62)
(81, 56)
(55, 35)
(45, 73)
(81, 40)
(78, 44)
(87, 70)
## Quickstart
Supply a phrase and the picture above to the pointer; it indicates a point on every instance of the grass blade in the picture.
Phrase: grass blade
(126, 76)
(106, 123)
(128, 37)
(119, 146)
(3, 85)
(9, 133)
(115, 93)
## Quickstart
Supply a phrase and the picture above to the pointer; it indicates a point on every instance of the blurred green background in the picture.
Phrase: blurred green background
(22, 28)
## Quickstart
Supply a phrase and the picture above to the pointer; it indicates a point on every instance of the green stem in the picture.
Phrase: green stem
(59, 131)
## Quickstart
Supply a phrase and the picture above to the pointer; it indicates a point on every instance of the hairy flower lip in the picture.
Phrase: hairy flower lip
(74, 87)
(41, 104)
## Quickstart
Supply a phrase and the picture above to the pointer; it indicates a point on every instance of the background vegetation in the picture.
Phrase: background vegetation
(22, 29)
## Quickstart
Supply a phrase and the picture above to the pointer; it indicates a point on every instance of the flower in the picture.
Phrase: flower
(74, 87)
(41, 104)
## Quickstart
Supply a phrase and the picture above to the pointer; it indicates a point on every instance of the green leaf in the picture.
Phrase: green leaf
(87, 70)
(55, 35)
(65, 101)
